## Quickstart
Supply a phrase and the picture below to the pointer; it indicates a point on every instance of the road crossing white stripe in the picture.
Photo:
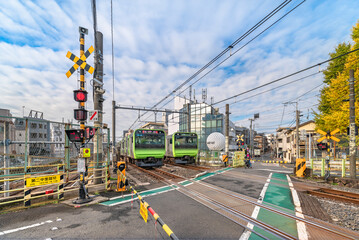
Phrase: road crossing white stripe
(247, 233)
(273, 170)
(301, 228)
(23, 228)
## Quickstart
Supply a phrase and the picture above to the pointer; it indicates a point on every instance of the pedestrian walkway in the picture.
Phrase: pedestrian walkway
(277, 195)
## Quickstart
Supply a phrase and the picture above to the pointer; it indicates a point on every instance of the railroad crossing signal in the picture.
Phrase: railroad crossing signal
(79, 62)
(240, 138)
(328, 135)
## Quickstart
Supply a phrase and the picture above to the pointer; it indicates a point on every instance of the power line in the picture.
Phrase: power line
(257, 25)
(287, 76)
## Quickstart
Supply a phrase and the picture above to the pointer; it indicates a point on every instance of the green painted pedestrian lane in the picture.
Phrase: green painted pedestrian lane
(281, 196)
(129, 197)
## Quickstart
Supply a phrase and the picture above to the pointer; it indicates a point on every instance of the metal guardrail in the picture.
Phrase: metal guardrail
(34, 186)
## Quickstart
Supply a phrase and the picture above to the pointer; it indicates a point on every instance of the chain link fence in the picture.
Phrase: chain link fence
(32, 146)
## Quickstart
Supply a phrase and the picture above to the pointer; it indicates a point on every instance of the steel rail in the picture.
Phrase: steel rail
(273, 230)
(168, 174)
(147, 172)
(279, 211)
(336, 195)
(258, 223)
(189, 166)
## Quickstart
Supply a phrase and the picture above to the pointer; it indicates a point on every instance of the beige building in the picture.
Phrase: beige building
(286, 143)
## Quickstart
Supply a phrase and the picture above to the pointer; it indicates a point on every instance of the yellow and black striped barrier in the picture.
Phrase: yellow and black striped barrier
(270, 161)
(144, 204)
(300, 167)
(155, 216)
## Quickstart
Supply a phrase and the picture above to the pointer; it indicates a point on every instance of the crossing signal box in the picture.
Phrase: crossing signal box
(80, 95)
(75, 135)
(90, 132)
(322, 146)
(80, 114)
(122, 181)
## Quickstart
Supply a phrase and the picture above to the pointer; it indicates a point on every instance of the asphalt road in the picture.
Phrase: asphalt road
(186, 217)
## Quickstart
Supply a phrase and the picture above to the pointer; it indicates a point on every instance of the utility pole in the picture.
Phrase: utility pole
(352, 147)
(297, 130)
(250, 138)
(227, 133)
(189, 117)
(98, 92)
(113, 130)
(6, 157)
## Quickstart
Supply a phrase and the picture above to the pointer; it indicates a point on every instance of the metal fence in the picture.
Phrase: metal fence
(35, 147)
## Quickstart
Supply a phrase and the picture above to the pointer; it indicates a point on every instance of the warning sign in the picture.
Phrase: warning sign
(143, 211)
(37, 181)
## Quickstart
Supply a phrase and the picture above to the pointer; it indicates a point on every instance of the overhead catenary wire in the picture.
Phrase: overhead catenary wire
(238, 50)
(287, 76)
(262, 21)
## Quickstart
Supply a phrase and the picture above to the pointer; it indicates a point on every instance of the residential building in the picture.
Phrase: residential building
(38, 135)
(286, 143)
(5, 118)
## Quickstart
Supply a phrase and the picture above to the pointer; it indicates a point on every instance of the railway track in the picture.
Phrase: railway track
(157, 173)
(336, 195)
(221, 201)
(198, 168)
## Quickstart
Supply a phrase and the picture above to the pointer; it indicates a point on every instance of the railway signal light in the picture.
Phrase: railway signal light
(322, 146)
(80, 95)
(80, 114)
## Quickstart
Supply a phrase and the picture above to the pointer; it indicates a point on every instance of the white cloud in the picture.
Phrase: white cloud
(158, 45)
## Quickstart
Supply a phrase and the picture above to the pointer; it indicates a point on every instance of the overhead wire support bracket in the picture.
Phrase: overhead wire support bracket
(148, 109)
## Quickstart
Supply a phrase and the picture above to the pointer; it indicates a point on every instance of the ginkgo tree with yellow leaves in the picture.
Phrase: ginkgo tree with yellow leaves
(334, 98)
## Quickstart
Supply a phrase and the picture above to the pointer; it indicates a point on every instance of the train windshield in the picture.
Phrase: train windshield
(150, 139)
(188, 140)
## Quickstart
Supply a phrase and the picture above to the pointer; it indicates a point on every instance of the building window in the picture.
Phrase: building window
(33, 125)
(40, 135)
(45, 135)
(40, 125)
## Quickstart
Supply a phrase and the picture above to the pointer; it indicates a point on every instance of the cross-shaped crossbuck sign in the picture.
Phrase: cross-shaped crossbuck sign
(328, 135)
(240, 138)
(80, 62)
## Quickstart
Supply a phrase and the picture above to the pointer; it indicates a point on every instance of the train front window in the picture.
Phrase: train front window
(150, 139)
(185, 141)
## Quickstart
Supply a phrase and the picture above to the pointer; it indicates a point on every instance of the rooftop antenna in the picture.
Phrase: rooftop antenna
(190, 93)
(204, 94)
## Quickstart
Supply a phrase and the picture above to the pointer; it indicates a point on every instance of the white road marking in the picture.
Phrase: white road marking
(23, 228)
(274, 170)
(301, 228)
(247, 233)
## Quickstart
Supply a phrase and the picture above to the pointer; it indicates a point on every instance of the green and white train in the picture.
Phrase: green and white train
(144, 147)
(147, 147)
(181, 148)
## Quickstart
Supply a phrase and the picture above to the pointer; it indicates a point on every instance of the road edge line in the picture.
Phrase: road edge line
(301, 227)
(247, 233)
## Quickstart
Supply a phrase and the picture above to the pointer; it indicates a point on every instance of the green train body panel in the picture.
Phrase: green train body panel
(145, 153)
(184, 152)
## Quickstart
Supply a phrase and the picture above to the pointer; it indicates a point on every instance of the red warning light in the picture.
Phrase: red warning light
(80, 95)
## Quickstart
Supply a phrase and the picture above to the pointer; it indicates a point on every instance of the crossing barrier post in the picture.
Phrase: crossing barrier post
(323, 167)
(343, 167)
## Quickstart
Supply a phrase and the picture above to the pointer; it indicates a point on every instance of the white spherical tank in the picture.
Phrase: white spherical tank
(216, 141)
